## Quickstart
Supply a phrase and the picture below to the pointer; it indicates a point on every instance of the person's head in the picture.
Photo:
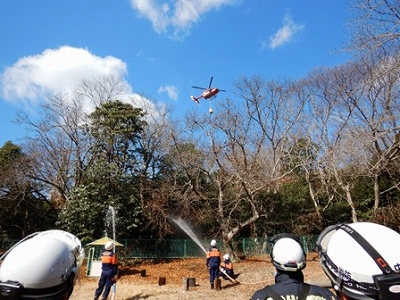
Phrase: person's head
(362, 260)
(109, 246)
(288, 255)
(226, 257)
(213, 243)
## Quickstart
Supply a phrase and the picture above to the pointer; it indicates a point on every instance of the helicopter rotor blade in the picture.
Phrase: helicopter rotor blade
(222, 90)
(210, 81)
(197, 87)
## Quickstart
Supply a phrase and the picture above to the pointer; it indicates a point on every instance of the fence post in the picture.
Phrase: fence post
(304, 243)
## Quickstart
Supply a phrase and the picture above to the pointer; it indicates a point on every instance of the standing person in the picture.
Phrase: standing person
(289, 260)
(109, 270)
(362, 260)
(226, 267)
(213, 261)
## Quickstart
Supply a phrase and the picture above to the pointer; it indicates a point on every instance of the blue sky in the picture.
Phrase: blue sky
(160, 48)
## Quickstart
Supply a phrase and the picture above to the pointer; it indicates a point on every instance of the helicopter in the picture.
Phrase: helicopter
(207, 92)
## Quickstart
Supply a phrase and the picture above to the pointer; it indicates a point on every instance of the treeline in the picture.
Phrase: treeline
(283, 155)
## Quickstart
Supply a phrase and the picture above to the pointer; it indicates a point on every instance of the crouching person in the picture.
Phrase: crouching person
(226, 267)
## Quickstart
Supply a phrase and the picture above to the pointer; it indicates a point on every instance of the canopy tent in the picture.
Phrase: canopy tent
(103, 241)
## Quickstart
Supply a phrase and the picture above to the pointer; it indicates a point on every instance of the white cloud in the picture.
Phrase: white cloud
(181, 16)
(171, 91)
(34, 78)
(285, 33)
(53, 71)
(157, 14)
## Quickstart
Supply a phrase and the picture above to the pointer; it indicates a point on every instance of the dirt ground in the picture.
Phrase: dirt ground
(254, 273)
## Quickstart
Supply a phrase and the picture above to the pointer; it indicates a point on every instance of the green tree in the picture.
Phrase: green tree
(112, 178)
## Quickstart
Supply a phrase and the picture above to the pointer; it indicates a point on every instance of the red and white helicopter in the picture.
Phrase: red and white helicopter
(207, 93)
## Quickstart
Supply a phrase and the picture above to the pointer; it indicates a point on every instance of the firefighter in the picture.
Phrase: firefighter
(289, 260)
(226, 267)
(109, 270)
(213, 261)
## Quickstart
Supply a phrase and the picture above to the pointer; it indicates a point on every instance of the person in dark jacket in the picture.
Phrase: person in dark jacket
(213, 261)
(109, 270)
(289, 260)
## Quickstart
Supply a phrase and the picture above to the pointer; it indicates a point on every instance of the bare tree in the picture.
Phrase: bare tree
(356, 106)
(238, 155)
(274, 110)
(375, 117)
(56, 145)
(375, 27)
(57, 142)
(329, 120)
(101, 89)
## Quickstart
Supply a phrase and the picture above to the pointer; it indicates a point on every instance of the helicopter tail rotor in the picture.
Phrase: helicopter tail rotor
(195, 99)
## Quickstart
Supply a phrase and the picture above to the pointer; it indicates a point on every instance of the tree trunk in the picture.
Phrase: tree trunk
(376, 191)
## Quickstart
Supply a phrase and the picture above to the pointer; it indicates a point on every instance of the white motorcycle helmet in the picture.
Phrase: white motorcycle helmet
(288, 255)
(362, 260)
(43, 265)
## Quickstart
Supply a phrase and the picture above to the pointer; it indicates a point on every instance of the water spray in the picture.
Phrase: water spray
(186, 228)
(110, 222)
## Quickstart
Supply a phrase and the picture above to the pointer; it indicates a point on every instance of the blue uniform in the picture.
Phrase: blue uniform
(213, 261)
(109, 268)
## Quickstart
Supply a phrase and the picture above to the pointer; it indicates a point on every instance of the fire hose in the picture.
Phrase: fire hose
(259, 282)
(237, 282)
(229, 277)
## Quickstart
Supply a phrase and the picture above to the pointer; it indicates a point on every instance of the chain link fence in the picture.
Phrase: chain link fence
(183, 248)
